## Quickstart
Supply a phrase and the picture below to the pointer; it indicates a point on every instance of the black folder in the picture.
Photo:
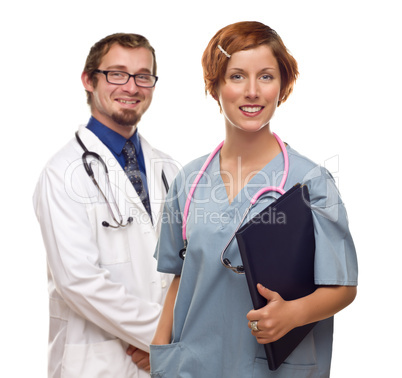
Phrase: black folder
(277, 247)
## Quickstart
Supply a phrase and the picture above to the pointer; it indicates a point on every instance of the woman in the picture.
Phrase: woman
(205, 326)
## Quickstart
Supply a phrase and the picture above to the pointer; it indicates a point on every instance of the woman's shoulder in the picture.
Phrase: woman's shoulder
(190, 170)
(305, 168)
(195, 164)
(319, 180)
(300, 160)
(184, 179)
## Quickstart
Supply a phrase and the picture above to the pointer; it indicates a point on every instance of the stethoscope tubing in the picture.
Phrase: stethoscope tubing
(89, 171)
(194, 186)
(280, 189)
(255, 198)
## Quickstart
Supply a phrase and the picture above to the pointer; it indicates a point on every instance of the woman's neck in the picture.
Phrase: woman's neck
(243, 155)
(259, 147)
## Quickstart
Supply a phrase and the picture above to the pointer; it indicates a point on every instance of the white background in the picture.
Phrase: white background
(345, 113)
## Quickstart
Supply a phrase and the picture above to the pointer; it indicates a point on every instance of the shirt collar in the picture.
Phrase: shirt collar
(114, 141)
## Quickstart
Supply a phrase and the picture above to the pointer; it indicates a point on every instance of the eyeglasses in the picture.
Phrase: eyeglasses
(121, 78)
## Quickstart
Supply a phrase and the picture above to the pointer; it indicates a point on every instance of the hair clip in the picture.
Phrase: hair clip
(220, 48)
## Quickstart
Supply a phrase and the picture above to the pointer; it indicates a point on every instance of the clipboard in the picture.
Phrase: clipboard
(277, 247)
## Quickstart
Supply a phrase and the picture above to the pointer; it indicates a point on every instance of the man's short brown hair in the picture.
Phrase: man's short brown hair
(101, 48)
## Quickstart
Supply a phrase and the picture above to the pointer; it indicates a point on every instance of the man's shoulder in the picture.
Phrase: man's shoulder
(64, 156)
(147, 146)
(154, 152)
(71, 151)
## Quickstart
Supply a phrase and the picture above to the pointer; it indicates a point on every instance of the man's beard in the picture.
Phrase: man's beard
(126, 117)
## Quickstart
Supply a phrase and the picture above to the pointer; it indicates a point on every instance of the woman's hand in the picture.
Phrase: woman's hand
(274, 320)
(279, 317)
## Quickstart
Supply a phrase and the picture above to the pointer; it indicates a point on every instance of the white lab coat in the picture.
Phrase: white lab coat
(104, 290)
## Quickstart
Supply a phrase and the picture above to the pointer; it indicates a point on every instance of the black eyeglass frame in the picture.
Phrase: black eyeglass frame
(129, 77)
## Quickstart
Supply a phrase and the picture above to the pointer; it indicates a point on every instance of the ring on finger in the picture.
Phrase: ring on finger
(254, 326)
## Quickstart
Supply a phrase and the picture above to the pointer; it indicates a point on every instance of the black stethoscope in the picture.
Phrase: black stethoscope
(88, 169)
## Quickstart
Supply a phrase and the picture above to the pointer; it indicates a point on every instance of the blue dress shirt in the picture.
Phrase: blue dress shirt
(115, 143)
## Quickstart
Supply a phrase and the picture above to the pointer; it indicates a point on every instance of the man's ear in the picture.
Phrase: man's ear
(87, 82)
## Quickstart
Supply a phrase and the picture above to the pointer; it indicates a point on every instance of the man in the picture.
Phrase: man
(105, 295)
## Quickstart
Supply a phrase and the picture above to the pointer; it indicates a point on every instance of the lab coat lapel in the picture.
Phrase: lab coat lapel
(154, 167)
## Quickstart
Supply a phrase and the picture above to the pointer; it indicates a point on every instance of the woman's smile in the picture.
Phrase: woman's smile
(251, 110)
(250, 90)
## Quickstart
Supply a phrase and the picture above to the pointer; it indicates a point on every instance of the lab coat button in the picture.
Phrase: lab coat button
(164, 284)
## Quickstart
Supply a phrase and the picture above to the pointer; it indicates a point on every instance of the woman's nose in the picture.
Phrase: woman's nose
(252, 90)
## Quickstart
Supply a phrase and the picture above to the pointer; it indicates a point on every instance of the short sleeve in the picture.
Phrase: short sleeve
(335, 257)
(170, 240)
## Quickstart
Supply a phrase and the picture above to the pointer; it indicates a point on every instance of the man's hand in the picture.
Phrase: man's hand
(139, 357)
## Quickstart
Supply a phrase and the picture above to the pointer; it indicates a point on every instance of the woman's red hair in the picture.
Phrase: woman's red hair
(241, 36)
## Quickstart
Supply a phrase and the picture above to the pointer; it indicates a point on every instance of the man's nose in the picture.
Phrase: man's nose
(131, 85)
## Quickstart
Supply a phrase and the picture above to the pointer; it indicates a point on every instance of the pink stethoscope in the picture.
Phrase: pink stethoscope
(225, 262)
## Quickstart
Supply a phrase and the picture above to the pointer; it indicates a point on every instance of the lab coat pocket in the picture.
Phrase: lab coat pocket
(112, 242)
(101, 360)
(173, 360)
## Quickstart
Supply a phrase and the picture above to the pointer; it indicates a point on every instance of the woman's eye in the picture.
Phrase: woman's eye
(236, 77)
(266, 77)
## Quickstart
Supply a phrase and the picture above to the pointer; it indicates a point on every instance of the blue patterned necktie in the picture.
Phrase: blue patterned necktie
(133, 173)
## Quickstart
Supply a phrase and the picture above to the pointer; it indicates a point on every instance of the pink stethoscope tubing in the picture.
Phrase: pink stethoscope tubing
(278, 189)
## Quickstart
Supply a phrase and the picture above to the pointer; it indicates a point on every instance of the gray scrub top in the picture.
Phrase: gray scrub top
(210, 336)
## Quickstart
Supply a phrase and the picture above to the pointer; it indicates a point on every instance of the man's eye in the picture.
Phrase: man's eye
(116, 75)
(144, 77)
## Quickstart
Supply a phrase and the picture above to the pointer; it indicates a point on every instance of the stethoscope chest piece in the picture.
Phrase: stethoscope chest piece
(182, 252)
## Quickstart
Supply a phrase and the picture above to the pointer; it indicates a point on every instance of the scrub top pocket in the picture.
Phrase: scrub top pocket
(173, 360)
(284, 371)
